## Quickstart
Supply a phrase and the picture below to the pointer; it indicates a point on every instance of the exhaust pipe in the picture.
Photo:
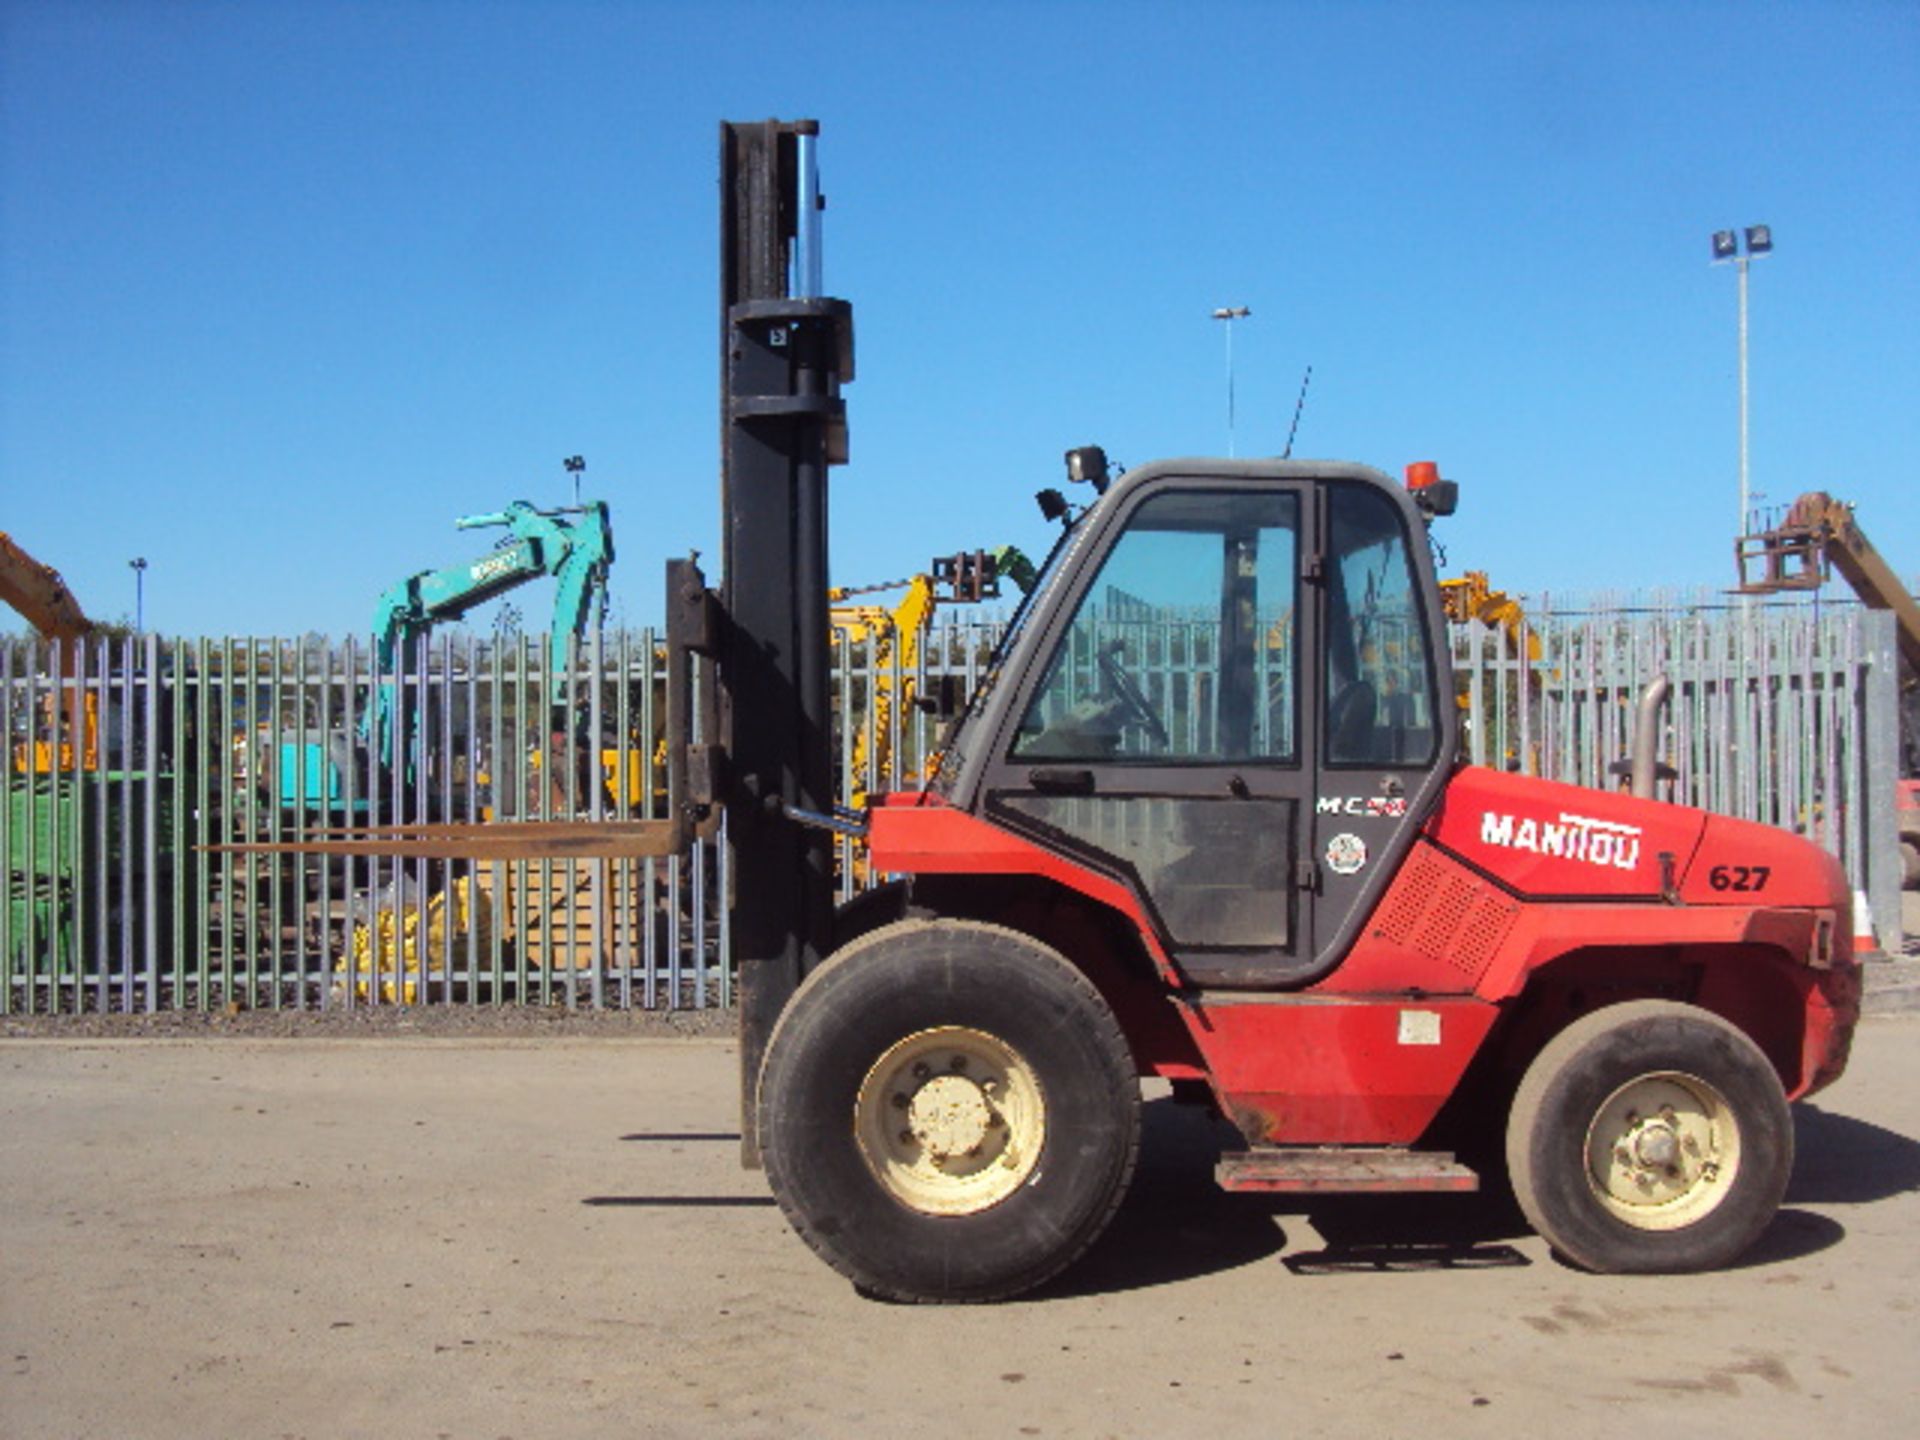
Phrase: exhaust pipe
(1645, 766)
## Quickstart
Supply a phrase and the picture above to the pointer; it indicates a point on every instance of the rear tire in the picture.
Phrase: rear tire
(948, 1111)
(1650, 1138)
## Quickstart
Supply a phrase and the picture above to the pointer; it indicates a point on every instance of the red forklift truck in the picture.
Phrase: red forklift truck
(1205, 820)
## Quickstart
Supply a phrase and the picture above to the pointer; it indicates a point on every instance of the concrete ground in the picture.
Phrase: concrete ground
(475, 1237)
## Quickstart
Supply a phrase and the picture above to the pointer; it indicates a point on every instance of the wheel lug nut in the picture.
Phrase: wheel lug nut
(1621, 1156)
(906, 1137)
(900, 1101)
(959, 1062)
(990, 1086)
(921, 1070)
(994, 1122)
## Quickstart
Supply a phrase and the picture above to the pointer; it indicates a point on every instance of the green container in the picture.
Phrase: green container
(58, 861)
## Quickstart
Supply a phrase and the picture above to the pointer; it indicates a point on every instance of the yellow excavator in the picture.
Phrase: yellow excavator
(44, 601)
(1472, 597)
(896, 635)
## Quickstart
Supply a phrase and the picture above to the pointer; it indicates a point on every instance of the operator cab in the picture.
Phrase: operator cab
(1228, 692)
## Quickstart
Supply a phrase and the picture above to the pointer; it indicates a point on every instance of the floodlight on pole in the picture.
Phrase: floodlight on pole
(1230, 313)
(139, 567)
(1727, 249)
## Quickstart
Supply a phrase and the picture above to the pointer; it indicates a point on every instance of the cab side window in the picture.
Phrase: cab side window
(1379, 684)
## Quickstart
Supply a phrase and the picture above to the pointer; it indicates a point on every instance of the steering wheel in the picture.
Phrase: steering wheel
(1350, 722)
(1133, 701)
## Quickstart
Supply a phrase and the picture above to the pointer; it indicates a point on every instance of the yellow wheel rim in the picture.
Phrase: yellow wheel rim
(1663, 1151)
(951, 1120)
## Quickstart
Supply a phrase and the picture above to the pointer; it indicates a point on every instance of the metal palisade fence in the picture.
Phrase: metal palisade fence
(130, 761)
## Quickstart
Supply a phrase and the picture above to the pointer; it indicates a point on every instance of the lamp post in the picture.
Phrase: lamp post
(139, 567)
(1727, 249)
(1230, 314)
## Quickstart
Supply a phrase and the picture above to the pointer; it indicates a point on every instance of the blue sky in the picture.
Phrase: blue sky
(285, 288)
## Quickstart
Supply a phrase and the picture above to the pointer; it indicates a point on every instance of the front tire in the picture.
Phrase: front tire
(948, 1111)
(1650, 1138)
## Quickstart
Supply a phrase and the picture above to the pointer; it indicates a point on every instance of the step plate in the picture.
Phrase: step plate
(1294, 1171)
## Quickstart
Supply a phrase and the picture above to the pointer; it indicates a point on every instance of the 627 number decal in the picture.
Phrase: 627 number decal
(1739, 877)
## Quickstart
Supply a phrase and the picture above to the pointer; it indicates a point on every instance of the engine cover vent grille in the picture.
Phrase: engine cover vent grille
(1443, 911)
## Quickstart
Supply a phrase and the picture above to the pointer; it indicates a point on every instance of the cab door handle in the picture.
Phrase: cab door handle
(1061, 782)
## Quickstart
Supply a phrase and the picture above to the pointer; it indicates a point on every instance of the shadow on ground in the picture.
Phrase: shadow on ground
(679, 1202)
(1793, 1235)
(676, 1141)
(1176, 1224)
(1839, 1160)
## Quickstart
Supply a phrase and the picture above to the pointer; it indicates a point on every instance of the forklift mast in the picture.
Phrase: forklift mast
(785, 352)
